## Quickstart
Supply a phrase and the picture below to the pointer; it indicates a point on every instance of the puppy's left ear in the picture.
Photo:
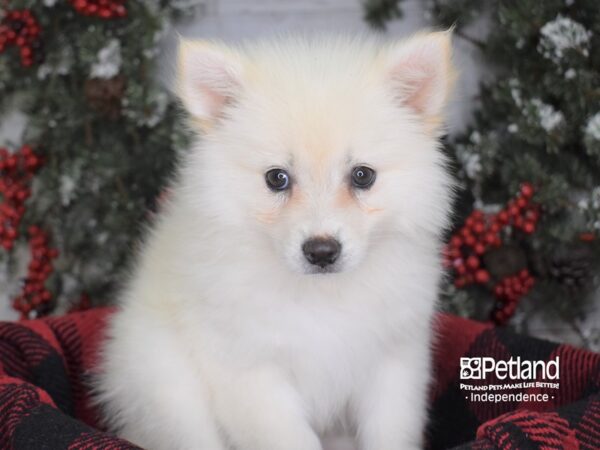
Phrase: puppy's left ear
(421, 74)
(209, 78)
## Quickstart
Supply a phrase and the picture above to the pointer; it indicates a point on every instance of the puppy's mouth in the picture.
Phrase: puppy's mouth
(317, 270)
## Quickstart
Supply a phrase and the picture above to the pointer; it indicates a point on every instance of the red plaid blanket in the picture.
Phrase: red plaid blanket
(45, 365)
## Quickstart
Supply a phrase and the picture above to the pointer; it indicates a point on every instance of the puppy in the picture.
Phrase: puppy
(285, 292)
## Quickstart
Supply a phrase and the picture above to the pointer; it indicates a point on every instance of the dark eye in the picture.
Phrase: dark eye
(277, 179)
(363, 177)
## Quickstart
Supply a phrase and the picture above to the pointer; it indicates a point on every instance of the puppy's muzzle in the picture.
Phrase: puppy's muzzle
(321, 251)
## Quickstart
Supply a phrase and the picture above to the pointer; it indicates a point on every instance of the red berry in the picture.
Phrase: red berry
(479, 248)
(479, 227)
(472, 262)
(519, 289)
(529, 227)
(22, 195)
(524, 274)
(120, 11)
(11, 162)
(527, 190)
(105, 13)
(519, 221)
(32, 162)
(470, 240)
(11, 233)
(482, 276)
(456, 241)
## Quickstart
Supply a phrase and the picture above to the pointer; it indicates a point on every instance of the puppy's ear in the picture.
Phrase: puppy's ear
(209, 77)
(421, 74)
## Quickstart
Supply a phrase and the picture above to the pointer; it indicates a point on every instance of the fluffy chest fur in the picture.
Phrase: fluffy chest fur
(326, 335)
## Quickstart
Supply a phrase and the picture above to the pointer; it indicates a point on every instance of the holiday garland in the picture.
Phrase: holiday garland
(99, 140)
(34, 295)
(16, 172)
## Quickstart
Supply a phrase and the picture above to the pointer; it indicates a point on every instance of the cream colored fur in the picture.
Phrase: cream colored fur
(223, 338)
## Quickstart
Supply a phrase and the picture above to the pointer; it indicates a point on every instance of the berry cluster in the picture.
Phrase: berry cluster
(105, 9)
(520, 212)
(466, 247)
(20, 28)
(480, 233)
(16, 171)
(34, 298)
(508, 291)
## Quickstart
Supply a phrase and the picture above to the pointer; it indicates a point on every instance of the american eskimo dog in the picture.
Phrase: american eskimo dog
(286, 290)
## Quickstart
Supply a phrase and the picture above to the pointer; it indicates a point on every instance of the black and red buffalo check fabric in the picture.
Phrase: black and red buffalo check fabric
(45, 367)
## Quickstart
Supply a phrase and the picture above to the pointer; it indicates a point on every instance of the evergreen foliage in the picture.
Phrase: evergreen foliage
(107, 132)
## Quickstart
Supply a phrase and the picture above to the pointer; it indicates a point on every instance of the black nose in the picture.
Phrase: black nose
(321, 251)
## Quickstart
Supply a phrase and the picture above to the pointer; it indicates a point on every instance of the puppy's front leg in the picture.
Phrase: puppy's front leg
(392, 408)
(260, 410)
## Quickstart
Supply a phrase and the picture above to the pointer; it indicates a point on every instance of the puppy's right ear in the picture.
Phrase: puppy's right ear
(209, 77)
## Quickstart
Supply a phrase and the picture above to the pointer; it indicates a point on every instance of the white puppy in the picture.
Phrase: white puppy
(285, 292)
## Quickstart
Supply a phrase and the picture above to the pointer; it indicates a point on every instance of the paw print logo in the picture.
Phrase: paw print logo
(470, 368)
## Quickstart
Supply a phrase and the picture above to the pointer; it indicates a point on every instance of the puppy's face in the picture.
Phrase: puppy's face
(320, 154)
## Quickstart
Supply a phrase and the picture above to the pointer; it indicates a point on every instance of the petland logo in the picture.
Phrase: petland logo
(513, 369)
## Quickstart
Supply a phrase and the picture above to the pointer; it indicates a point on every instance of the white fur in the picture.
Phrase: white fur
(223, 339)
